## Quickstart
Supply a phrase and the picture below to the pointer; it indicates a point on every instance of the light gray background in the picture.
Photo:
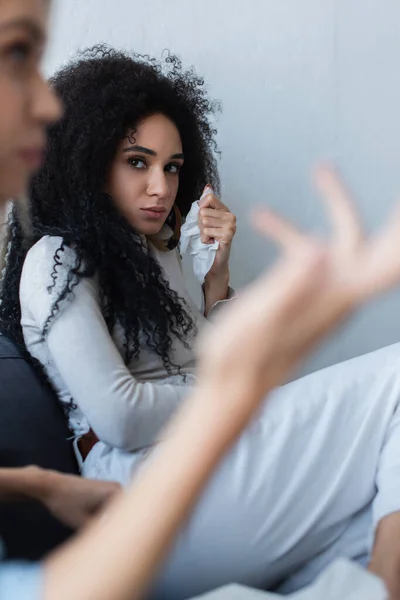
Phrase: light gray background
(299, 80)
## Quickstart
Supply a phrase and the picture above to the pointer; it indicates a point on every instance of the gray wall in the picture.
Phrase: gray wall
(299, 80)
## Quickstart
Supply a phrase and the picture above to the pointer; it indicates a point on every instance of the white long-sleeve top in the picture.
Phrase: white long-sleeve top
(125, 405)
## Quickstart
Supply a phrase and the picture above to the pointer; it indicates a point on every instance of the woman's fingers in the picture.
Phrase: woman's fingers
(378, 265)
(212, 222)
(283, 233)
(220, 234)
(280, 293)
(347, 229)
(213, 202)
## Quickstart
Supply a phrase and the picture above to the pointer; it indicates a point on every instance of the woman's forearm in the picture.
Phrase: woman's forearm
(24, 483)
(215, 289)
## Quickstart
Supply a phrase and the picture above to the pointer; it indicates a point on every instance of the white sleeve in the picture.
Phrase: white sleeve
(121, 411)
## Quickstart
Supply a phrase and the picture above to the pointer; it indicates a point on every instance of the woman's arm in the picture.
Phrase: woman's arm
(215, 289)
(25, 483)
(123, 412)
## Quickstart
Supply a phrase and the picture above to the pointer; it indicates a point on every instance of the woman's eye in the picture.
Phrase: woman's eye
(137, 163)
(173, 168)
(20, 53)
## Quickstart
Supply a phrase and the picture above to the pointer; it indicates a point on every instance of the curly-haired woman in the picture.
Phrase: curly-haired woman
(131, 154)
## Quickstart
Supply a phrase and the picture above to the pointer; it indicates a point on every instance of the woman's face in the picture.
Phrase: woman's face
(144, 176)
(27, 105)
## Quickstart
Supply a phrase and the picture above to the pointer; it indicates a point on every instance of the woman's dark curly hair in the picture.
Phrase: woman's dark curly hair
(106, 93)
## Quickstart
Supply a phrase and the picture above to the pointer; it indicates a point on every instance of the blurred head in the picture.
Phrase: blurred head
(27, 105)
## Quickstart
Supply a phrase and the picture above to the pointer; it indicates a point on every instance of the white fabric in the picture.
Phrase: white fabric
(343, 580)
(237, 592)
(203, 255)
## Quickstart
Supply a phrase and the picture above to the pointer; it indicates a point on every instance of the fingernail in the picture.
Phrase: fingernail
(207, 190)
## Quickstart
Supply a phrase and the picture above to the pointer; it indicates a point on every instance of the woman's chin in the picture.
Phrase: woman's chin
(150, 228)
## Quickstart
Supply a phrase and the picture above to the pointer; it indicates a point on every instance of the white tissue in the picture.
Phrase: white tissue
(203, 255)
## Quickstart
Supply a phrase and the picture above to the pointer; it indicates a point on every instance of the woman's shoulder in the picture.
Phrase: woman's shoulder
(46, 244)
(48, 257)
(48, 274)
(47, 249)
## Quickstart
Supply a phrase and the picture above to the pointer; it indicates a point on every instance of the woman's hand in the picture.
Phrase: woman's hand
(217, 223)
(260, 338)
(74, 500)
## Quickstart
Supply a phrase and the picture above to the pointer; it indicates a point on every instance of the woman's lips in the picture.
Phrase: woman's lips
(154, 212)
